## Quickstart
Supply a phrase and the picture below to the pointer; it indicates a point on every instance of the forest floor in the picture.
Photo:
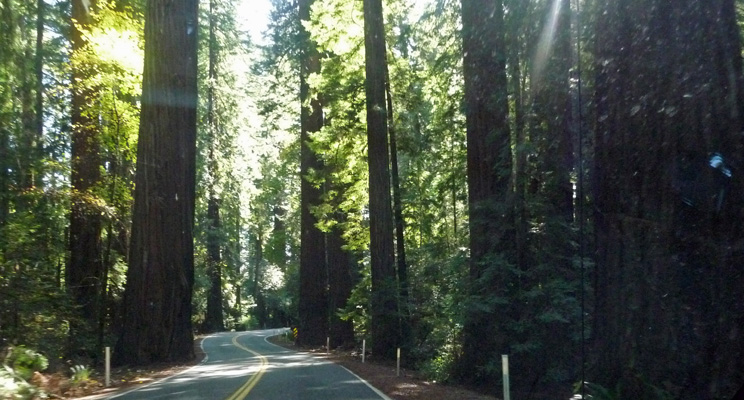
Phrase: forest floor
(409, 386)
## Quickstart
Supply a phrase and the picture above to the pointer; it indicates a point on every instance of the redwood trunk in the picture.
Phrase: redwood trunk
(668, 223)
(157, 300)
(489, 165)
(313, 307)
(384, 321)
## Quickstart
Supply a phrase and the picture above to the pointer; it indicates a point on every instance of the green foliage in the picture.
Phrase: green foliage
(358, 306)
(13, 387)
(24, 362)
(79, 374)
(18, 367)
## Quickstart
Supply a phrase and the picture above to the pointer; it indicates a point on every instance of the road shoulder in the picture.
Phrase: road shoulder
(409, 386)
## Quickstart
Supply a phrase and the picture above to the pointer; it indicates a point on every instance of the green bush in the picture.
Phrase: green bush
(13, 387)
(17, 369)
(79, 374)
(24, 362)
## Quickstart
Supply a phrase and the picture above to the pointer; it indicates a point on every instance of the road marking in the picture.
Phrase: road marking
(374, 389)
(241, 393)
(202, 362)
(377, 391)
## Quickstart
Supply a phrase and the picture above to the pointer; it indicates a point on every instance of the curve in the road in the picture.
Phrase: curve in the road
(246, 388)
(244, 365)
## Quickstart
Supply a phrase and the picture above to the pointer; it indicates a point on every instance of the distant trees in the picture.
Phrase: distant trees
(34, 201)
(85, 269)
(157, 302)
(213, 320)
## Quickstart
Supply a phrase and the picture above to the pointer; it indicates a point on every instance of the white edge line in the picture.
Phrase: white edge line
(277, 332)
(374, 389)
(202, 362)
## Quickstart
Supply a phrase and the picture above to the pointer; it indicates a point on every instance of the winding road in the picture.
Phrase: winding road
(244, 365)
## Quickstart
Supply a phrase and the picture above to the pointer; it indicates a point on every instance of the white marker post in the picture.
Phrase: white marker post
(397, 368)
(108, 366)
(364, 348)
(505, 369)
(328, 345)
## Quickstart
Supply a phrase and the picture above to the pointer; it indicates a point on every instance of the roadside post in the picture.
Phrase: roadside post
(505, 369)
(397, 368)
(108, 366)
(364, 348)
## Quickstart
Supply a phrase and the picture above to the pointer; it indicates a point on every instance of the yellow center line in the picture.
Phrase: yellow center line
(248, 386)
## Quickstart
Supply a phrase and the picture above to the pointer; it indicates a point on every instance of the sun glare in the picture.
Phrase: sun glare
(545, 45)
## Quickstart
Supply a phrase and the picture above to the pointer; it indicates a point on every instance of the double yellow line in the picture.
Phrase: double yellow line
(248, 386)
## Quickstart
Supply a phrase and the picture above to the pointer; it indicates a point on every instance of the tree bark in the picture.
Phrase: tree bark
(668, 222)
(157, 300)
(384, 322)
(489, 166)
(313, 307)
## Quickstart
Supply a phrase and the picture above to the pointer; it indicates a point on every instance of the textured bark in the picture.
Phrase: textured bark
(489, 168)
(313, 307)
(384, 321)
(668, 224)
(157, 315)
(85, 268)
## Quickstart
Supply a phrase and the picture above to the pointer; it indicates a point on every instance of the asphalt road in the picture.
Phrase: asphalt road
(243, 365)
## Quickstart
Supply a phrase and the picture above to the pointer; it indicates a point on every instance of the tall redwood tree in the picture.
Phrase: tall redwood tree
(157, 300)
(313, 307)
(384, 307)
(668, 202)
(489, 165)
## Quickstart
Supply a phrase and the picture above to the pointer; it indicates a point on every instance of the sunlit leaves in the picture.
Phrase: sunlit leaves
(121, 48)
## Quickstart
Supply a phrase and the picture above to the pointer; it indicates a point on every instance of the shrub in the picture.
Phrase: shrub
(24, 362)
